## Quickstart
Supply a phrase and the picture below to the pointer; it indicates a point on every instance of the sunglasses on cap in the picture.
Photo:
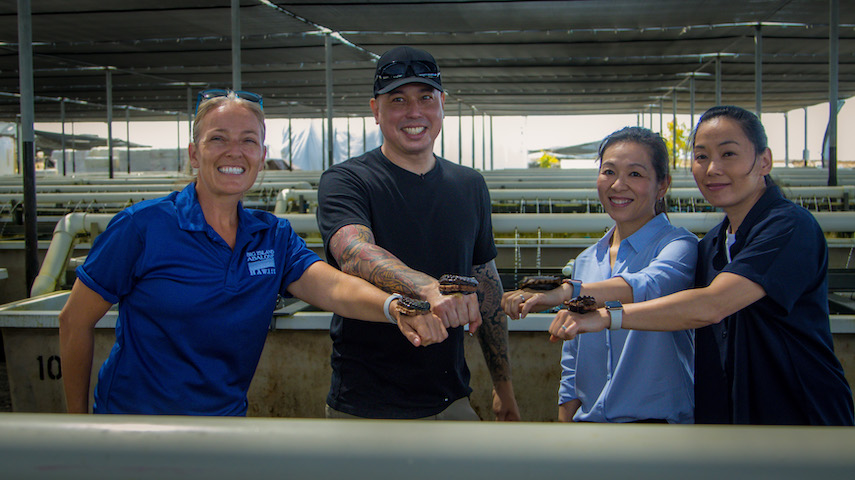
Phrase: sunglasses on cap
(220, 92)
(396, 70)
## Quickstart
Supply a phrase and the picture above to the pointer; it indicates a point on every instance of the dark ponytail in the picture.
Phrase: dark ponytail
(750, 124)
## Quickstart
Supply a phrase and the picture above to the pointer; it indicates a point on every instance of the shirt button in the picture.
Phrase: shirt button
(445, 399)
(724, 334)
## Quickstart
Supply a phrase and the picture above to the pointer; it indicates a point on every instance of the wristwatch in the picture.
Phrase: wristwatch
(615, 309)
(575, 286)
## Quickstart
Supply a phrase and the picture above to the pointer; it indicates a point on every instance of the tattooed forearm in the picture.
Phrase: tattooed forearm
(356, 253)
(493, 333)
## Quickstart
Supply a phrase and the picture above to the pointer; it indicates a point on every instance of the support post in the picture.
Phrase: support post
(110, 121)
(27, 140)
(62, 122)
(758, 71)
(833, 65)
(329, 87)
(674, 130)
(786, 139)
(718, 80)
(128, 136)
(236, 68)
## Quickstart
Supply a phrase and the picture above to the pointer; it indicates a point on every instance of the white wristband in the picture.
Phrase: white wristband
(394, 296)
(615, 310)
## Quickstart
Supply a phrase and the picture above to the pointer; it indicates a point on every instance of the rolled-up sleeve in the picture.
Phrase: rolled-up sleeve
(671, 270)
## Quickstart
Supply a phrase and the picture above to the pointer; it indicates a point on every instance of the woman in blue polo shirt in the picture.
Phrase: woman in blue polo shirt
(764, 351)
(196, 277)
(625, 376)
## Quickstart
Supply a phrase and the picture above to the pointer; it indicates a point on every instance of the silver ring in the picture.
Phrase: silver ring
(563, 327)
(522, 298)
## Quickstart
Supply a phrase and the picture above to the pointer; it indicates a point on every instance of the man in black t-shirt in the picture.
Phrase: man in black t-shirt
(400, 217)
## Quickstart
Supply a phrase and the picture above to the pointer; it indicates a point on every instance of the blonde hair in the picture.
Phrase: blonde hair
(213, 103)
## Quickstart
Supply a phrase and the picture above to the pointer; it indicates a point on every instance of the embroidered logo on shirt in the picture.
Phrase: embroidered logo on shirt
(261, 262)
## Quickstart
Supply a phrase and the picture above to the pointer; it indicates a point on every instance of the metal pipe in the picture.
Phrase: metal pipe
(27, 139)
(160, 447)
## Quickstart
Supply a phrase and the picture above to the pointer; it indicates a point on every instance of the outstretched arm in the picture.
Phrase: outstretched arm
(687, 309)
(356, 252)
(519, 303)
(350, 296)
(493, 336)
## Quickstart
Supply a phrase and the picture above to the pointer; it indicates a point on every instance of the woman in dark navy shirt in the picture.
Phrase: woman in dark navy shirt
(764, 351)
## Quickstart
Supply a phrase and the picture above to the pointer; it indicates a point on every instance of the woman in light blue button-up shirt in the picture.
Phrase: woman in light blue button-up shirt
(620, 375)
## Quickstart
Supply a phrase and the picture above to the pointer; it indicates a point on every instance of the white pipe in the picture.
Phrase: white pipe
(293, 194)
(511, 194)
(113, 446)
(87, 197)
(61, 246)
(503, 223)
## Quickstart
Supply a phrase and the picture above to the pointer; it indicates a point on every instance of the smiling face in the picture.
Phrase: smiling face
(229, 152)
(410, 118)
(727, 168)
(628, 187)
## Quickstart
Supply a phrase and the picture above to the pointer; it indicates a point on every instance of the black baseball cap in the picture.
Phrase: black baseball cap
(403, 65)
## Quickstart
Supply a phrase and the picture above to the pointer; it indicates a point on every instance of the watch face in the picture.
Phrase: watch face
(613, 305)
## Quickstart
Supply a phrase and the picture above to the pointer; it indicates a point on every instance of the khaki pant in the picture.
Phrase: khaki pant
(459, 410)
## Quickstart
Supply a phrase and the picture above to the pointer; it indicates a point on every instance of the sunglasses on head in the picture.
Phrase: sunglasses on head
(221, 92)
(396, 70)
